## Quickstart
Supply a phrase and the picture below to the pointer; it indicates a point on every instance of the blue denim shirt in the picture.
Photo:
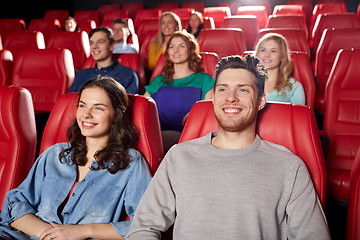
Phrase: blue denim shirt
(124, 75)
(98, 198)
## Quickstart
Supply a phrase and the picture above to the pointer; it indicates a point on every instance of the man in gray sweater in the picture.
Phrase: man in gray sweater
(232, 184)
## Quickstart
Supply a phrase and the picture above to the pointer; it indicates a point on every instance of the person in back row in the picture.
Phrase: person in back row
(169, 23)
(273, 52)
(101, 47)
(121, 33)
(231, 184)
(70, 24)
(182, 84)
(83, 188)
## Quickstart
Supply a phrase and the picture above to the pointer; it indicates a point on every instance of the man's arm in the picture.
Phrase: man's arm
(156, 210)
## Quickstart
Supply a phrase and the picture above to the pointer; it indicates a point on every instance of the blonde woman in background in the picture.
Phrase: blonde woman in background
(273, 52)
(169, 23)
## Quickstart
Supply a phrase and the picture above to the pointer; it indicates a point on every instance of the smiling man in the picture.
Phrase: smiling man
(232, 184)
(101, 47)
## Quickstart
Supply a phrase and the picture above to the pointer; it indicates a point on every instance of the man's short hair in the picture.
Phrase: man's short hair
(106, 30)
(121, 21)
(250, 63)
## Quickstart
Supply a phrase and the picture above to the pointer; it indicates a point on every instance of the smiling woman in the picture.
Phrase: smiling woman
(83, 188)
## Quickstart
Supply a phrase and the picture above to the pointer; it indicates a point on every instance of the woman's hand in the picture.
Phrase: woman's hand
(63, 232)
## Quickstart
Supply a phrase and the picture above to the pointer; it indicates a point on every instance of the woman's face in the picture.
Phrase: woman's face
(95, 114)
(269, 54)
(194, 22)
(168, 26)
(178, 51)
(70, 25)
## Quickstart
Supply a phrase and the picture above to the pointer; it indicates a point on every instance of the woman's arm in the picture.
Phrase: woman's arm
(31, 225)
(94, 230)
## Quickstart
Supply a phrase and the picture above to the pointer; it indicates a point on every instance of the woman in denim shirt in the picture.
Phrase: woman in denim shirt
(84, 188)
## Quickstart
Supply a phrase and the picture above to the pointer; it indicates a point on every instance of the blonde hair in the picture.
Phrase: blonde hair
(160, 38)
(286, 67)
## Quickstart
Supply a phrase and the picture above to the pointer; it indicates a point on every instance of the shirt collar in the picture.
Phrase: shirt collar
(108, 68)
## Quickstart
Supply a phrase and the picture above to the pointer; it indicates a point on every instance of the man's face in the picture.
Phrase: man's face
(235, 100)
(100, 46)
(120, 32)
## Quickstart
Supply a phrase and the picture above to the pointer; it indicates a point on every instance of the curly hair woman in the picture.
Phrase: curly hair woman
(182, 84)
(273, 52)
(84, 188)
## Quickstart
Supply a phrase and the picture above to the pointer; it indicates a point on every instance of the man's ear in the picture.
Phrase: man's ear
(262, 102)
(112, 46)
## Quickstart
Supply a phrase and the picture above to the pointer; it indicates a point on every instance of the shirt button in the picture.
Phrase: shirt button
(66, 213)
(83, 180)
(73, 194)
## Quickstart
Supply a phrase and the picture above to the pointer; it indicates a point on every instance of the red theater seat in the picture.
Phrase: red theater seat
(232, 5)
(45, 26)
(296, 38)
(197, 5)
(332, 20)
(342, 121)
(303, 73)
(331, 42)
(111, 15)
(307, 5)
(6, 67)
(167, 6)
(130, 60)
(18, 41)
(17, 137)
(58, 14)
(209, 61)
(87, 15)
(287, 21)
(222, 41)
(76, 42)
(11, 25)
(265, 3)
(144, 46)
(322, 8)
(151, 25)
(259, 11)
(133, 8)
(276, 123)
(353, 213)
(86, 25)
(46, 73)
(248, 25)
(218, 14)
(142, 111)
(144, 14)
(208, 23)
(106, 7)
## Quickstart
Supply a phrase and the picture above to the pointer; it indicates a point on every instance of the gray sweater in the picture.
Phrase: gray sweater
(260, 192)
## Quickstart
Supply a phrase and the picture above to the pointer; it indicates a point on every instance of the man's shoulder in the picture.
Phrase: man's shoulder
(192, 144)
(119, 67)
(277, 150)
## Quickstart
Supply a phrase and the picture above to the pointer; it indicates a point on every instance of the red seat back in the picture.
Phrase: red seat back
(144, 46)
(218, 14)
(208, 23)
(332, 20)
(152, 25)
(106, 7)
(293, 9)
(232, 5)
(77, 42)
(17, 137)
(265, 3)
(59, 14)
(142, 112)
(45, 26)
(46, 73)
(307, 5)
(18, 41)
(87, 15)
(322, 8)
(276, 123)
(6, 67)
(303, 73)
(209, 61)
(111, 15)
(287, 21)
(11, 25)
(248, 25)
(197, 5)
(342, 121)
(353, 212)
(222, 41)
(167, 6)
(133, 8)
(86, 25)
(143, 14)
(130, 60)
(331, 42)
(259, 11)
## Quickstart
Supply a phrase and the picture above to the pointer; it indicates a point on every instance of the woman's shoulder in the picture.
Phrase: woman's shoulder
(202, 75)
